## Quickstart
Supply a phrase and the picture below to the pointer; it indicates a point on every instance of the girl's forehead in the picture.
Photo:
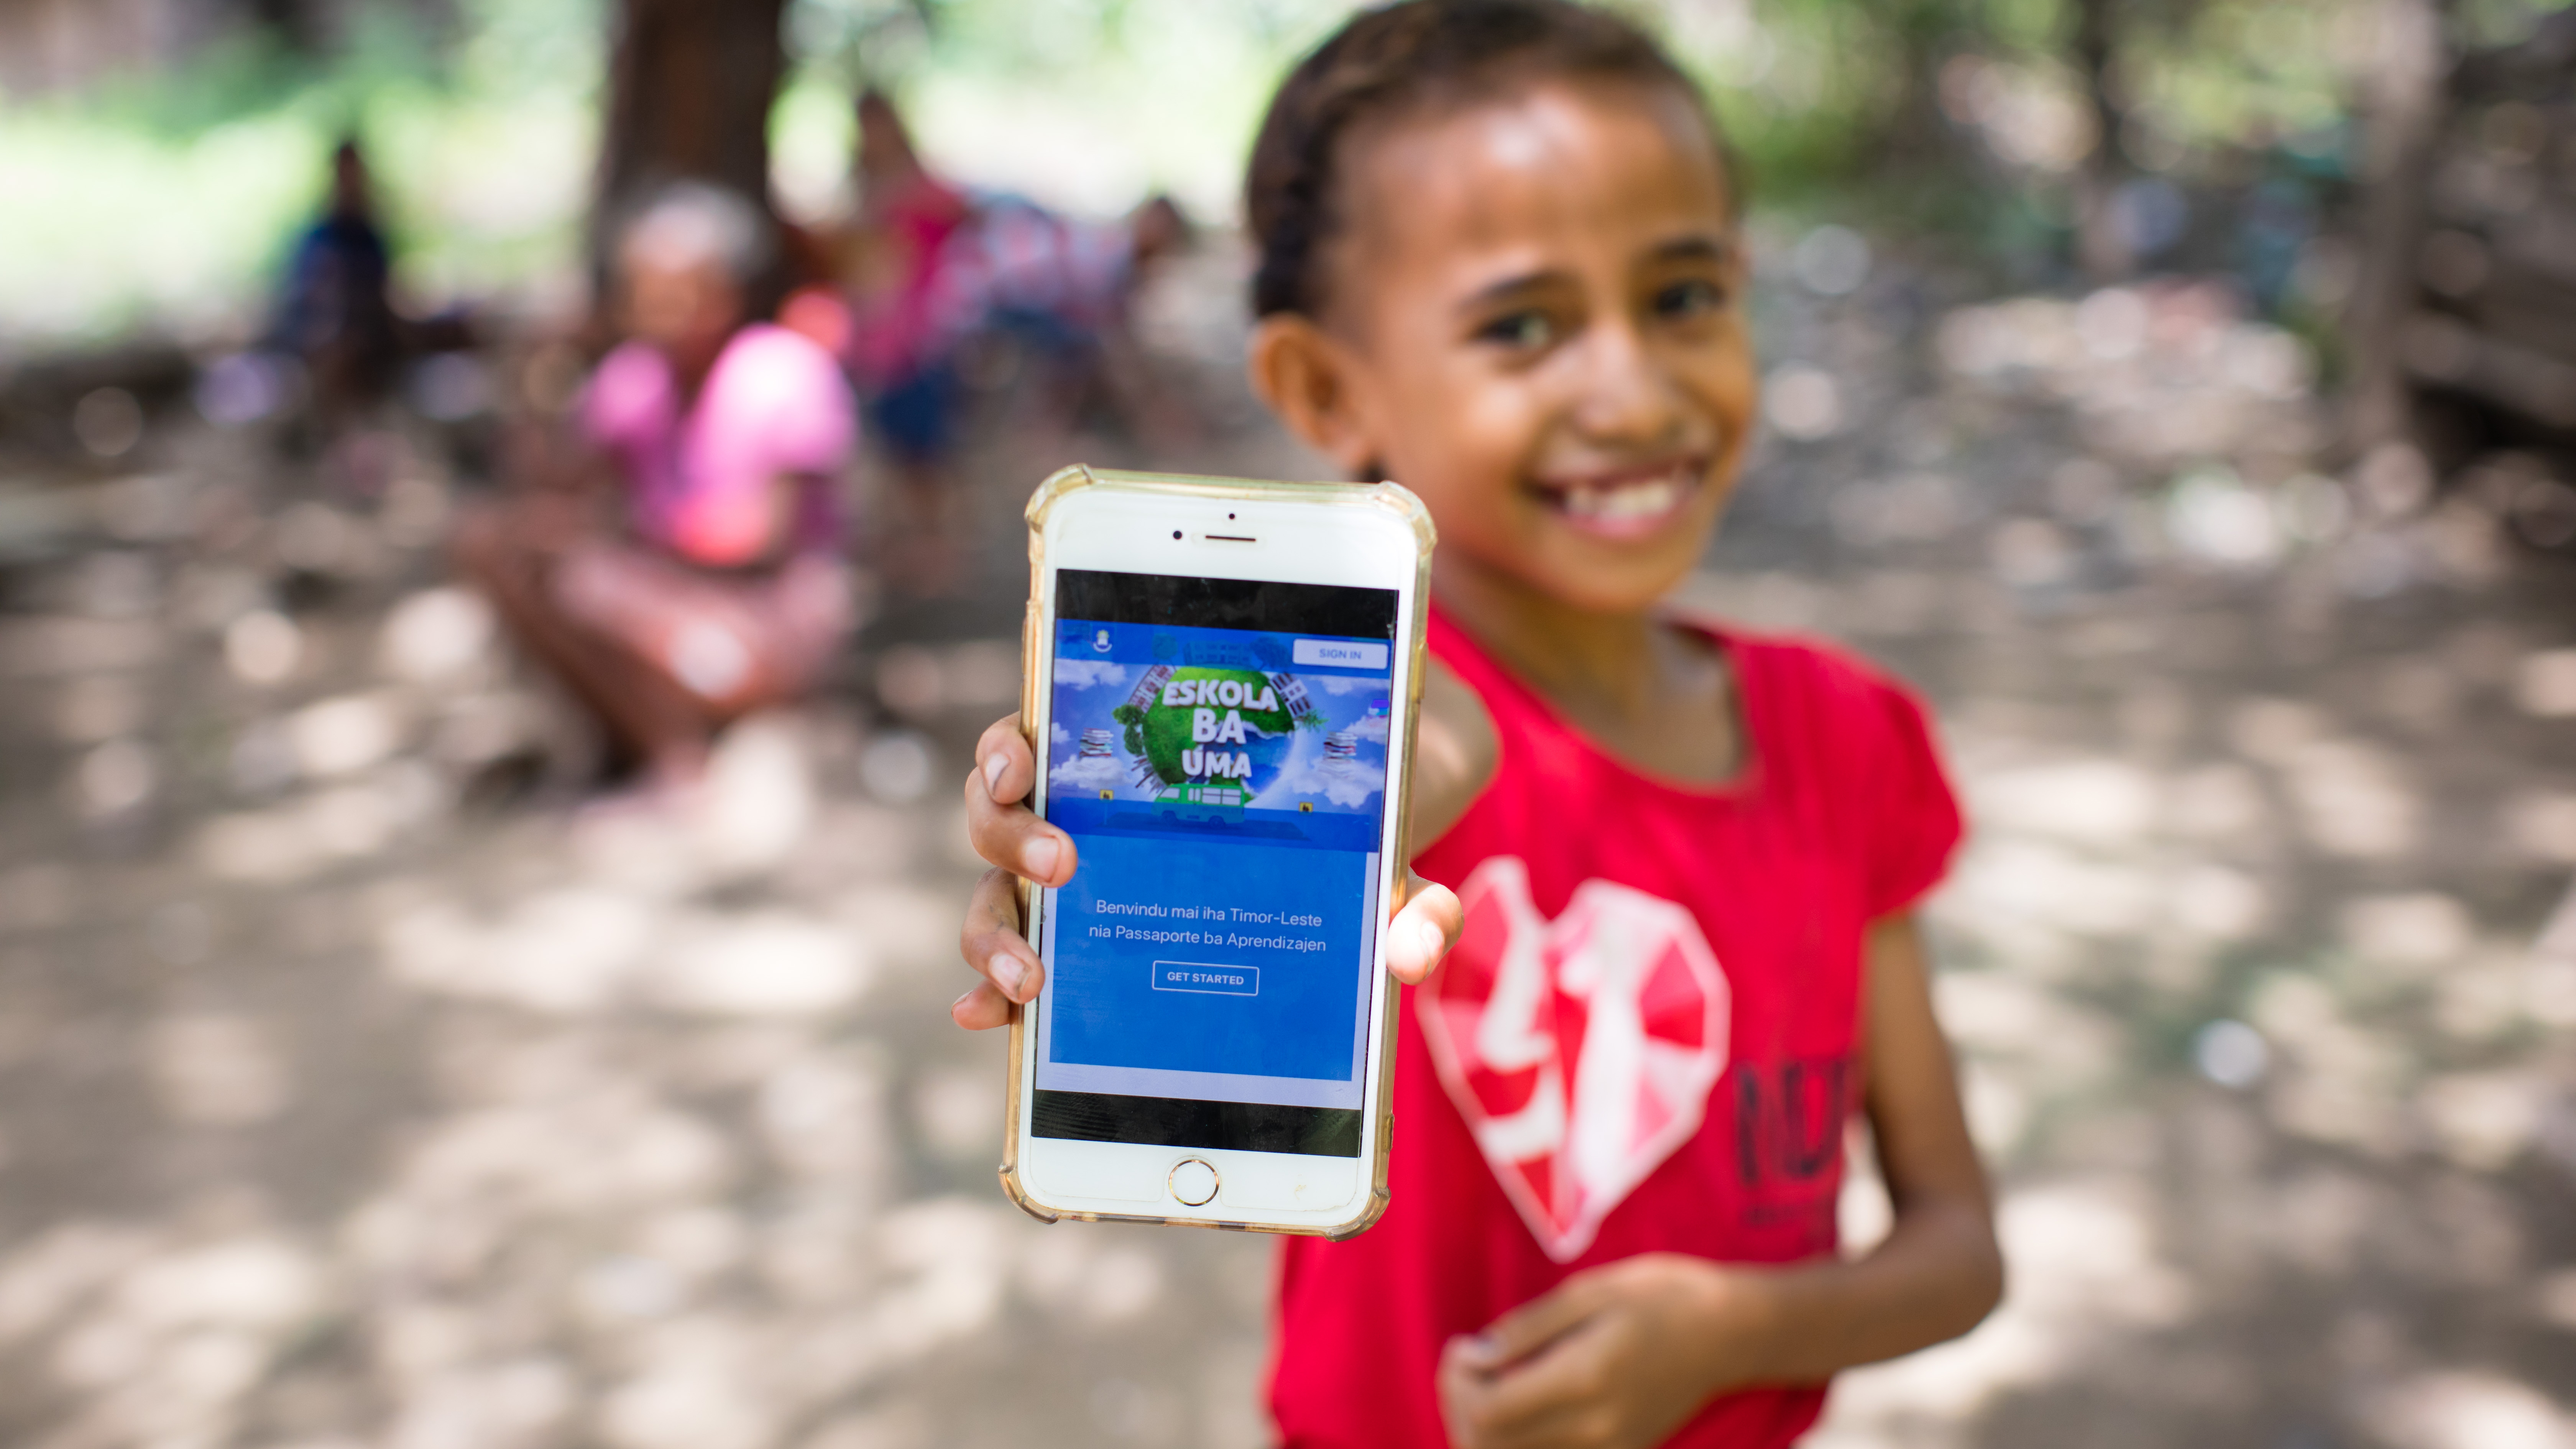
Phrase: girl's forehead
(1557, 165)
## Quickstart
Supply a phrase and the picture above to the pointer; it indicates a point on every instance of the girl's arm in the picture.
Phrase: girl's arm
(1621, 1355)
(1454, 751)
(1939, 1270)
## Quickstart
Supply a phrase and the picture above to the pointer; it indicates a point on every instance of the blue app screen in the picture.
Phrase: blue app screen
(1225, 788)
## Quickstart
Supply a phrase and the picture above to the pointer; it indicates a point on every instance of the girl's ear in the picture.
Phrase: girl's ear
(1308, 378)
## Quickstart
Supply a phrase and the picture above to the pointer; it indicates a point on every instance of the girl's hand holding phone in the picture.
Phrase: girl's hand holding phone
(1020, 846)
(1009, 835)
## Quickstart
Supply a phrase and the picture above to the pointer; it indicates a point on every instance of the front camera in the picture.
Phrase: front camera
(1176, 533)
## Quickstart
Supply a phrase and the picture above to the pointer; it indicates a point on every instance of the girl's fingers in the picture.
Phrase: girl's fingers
(1002, 830)
(1002, 758)
(981, 1009)
(1463, 1393)
(1018, 844)
(1423, 931)
(991, 943)
(1489, 1410)
(1534, 1325)
(1546, 1392)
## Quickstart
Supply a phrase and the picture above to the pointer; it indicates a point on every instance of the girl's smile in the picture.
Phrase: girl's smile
(1623, 503)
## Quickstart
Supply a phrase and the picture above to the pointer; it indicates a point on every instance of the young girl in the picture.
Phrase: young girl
(1499, 263)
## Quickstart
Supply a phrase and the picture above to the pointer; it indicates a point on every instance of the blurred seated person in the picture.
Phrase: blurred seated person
(335, 316)
(720, 589)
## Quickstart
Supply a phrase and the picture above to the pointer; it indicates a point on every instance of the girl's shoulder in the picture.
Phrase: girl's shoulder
(1817, 679)
(1856, 745)
(1843, 721)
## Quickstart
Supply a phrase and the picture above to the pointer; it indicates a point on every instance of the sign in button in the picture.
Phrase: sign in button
(1338, 654)
(1207, 977)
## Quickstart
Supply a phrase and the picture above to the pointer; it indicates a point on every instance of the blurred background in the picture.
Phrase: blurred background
(409, 1039)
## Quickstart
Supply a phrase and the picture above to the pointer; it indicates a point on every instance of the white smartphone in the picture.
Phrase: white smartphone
(1221, 689)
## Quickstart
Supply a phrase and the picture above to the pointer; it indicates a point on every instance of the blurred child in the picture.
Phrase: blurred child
(722, 588)
(335, 315)
(892, 272)
(1500, 263)
(873, 298)
(1064, 290)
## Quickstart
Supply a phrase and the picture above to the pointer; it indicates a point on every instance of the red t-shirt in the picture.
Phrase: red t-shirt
(1646, 1039)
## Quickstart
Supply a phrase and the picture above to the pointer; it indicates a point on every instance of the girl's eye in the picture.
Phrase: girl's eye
(1522, 331)
(1694, 298)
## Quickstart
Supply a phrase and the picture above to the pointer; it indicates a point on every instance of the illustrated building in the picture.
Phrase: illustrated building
(1292, 696)
(1149, 688)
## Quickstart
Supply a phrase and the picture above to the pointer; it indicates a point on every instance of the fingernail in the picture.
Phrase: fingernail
(1430, 939)
(1008, 972)
(993, 768)
(1037, 859)
(959, 1004)
(1481, 1347)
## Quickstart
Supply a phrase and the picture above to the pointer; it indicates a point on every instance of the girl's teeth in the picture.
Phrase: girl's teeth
(1622, 504)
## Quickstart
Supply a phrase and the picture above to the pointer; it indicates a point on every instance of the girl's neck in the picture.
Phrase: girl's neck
(1660, 698)
(1618, 660)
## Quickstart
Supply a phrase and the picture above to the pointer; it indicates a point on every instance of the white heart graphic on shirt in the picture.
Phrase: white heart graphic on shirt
(1581, 1050)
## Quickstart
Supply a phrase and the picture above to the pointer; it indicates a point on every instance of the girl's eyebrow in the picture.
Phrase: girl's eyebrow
(1713, 250)
(1493, 293)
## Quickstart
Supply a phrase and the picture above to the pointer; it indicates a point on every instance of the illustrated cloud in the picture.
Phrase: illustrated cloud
(1099, 772)
(1085, 673)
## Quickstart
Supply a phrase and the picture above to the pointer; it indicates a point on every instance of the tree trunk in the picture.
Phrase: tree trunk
(2101, 247)
(2402, 120)
(292, 22)
(689, 90)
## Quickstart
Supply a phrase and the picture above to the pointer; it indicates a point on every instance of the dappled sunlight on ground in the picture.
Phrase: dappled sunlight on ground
(362, 1083)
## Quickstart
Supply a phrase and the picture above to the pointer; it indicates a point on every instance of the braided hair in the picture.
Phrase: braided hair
(1409, 57)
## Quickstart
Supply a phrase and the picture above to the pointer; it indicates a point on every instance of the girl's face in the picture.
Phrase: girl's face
(686, 307)
(1535, 325)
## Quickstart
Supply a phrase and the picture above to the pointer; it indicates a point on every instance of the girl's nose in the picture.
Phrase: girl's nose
(1628, 397)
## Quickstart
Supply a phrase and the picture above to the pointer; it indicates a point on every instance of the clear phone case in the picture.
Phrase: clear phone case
(1034, 676)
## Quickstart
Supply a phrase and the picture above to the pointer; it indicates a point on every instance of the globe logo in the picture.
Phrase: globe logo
(1193, 725)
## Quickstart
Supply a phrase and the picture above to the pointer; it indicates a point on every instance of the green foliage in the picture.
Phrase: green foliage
(167, 200)
(169, 196)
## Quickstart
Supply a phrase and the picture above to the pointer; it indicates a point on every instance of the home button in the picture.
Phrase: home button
(1193, 1182)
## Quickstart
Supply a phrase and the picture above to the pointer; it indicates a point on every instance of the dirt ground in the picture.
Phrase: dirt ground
(363, 1084)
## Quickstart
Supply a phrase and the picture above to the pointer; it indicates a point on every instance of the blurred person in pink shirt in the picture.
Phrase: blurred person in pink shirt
(719, 587)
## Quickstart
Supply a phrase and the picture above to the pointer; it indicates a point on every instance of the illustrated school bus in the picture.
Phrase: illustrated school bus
(1223, 803)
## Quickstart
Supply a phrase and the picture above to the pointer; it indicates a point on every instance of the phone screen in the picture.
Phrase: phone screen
(1218, 752)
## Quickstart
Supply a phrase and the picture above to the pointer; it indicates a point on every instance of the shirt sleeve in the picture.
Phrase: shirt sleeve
(799, 408)
(775, 408)
(1911, 823)
(628, 399)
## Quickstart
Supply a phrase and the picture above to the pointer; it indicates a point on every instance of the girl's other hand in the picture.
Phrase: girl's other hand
(1020, 847)
(1616, 1358)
